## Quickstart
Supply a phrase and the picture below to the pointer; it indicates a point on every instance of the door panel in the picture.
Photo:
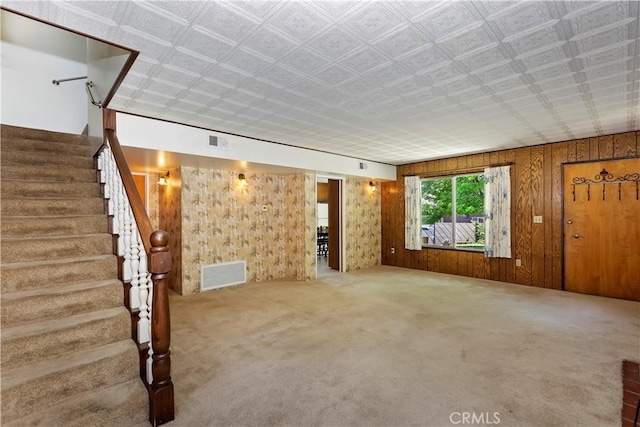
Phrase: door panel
(335, 223)
(602, 228)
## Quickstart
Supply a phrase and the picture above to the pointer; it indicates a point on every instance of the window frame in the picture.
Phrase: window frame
(454, 207)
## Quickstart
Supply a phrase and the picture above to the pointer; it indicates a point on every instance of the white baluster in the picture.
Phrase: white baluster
(150, 358)
(134, 292)
(112, 192)
(110, 188)
(119, 223)
(102, 167)
(126, 228)
(144, 324)
(103, 175)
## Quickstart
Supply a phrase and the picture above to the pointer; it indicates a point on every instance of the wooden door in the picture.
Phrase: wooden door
(602, 228)
(335, 224)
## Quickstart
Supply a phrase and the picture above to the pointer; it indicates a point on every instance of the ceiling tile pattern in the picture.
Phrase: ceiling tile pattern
(389, 81)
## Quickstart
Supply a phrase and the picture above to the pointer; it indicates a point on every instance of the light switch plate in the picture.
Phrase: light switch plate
(518, 262)
(537, 219)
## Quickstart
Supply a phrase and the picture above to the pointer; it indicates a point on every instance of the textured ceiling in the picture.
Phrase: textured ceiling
(389, 81)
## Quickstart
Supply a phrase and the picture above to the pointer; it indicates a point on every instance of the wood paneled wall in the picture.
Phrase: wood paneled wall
(323, 192)
(536, 186)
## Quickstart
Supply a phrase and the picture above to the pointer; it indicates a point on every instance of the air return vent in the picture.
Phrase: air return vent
(216, 276)
(218, 142)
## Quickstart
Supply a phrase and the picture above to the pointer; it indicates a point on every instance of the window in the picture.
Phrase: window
(453, 212)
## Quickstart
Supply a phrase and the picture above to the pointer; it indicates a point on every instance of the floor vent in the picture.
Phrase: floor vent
(216, 276)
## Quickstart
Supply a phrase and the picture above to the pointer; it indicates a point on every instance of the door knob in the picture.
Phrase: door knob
(575, 236)
(569, 221)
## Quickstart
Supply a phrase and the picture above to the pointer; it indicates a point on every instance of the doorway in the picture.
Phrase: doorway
(602, 228)
(140, 180)
(329, 226)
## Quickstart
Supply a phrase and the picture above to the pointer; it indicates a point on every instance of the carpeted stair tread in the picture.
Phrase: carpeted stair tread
(45, 159)
(41, 226)
(47, 173)
(15, 188)
(53, 247)
(44, 383)
(97, 408)
(53, 302)
(39, 274)
(9, 131)
(42, 206)
(32, 342)
(53, 147)
(58, 289)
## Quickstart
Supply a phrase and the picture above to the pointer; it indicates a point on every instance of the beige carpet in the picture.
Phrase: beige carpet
(395, 347)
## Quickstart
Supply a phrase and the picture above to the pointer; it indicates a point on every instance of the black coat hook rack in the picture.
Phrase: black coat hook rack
(604, 177)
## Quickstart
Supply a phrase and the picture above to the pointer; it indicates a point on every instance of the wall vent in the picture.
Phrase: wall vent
(223, 274)
(218, 142)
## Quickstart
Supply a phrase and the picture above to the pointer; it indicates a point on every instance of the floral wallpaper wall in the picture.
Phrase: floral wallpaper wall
(153, 195)
(170, 220)
(310, 271)
(294, 226)
(211, 219)
(362, 224)
(223, 222)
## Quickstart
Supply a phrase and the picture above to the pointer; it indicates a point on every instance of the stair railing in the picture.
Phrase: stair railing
(145, 260)
(88, 86)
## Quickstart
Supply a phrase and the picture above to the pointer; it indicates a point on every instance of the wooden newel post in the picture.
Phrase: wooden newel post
(161, 408)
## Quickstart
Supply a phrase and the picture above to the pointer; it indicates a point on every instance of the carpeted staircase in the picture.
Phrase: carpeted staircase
(67, 353)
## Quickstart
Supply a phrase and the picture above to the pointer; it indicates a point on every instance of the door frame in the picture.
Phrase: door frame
(341, 179)
(562, 168)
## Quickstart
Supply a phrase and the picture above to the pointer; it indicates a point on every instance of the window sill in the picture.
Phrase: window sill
(450, 248)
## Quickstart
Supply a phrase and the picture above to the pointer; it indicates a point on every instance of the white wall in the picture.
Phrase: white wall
(140, 132)
(323, 214)
(104, 64)
(33, 54)
(30, 99)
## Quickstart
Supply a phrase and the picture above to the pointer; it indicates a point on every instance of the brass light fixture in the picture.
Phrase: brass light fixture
(243, 180)
(164, 180)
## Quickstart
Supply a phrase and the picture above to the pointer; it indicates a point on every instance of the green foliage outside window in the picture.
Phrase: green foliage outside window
(438, 216)
(436, 200)
(438, 203)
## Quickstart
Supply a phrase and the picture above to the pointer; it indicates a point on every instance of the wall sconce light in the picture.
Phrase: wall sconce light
(372, 186)
(164, 180)
(243, 181)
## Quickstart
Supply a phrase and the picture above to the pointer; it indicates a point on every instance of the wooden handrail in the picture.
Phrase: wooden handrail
(156, 246)
(139, 211)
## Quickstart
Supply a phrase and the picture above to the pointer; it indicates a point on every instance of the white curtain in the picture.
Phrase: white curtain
(497, 205)
(412, 212)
